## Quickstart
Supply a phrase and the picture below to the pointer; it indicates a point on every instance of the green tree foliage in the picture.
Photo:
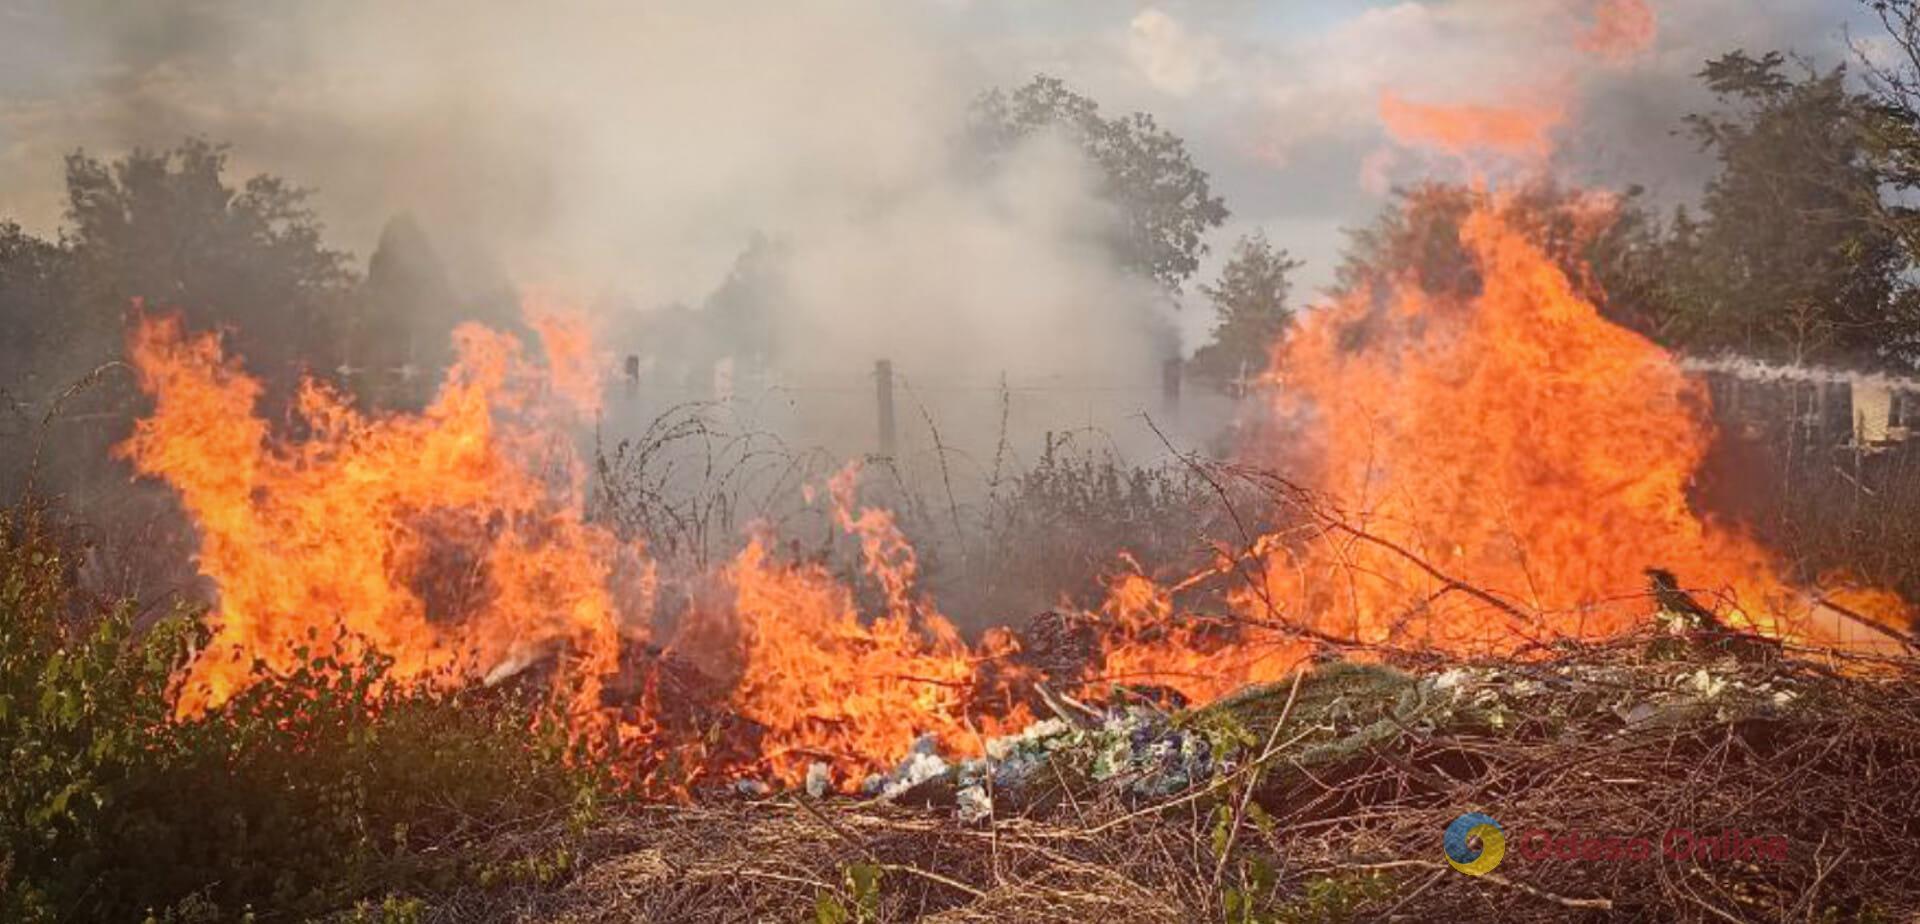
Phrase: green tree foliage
(1793, 256)
(1250, 302)
(36, 280)
(1167, 203)
(168, 228)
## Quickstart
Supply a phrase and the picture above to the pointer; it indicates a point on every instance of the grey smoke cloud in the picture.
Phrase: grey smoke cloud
(638, 147)
(603, 147)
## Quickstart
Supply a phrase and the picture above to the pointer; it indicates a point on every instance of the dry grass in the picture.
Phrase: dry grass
(1834, 766)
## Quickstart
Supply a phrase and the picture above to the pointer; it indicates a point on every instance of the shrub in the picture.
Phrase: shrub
(1059, 529)
(302, 797)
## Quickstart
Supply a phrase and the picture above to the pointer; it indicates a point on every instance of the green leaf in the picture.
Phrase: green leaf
(863, 879)
(1260, 818)
(1260, 875)
(828, 910)
(1222, 828)
(1237, 907)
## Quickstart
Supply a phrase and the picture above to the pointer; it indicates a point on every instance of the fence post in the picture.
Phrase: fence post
(883, 396)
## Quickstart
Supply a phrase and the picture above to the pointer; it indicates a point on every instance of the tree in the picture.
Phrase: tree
(1167, 203)
(402, 320)
(738, 315)
(1799, 255)
(1607, 244)
(35, 288)
(1891, 127)
(1250, 301)
(165, 227)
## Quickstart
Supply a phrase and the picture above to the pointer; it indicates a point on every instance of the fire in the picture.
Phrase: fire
(1487, 470)
(571, 363)
(1485, 465)
(827, 686)
(454, 543)
(1148, 642)
(1491, 471)
(1483, 468)
(369, 536)
(1621, 29)
(1497, 466)
(1512, 438)
(1522, 131)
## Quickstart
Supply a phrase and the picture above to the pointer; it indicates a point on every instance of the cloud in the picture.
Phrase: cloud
(1174, 60)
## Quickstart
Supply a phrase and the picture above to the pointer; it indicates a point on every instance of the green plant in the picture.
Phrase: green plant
(303, 795)
(1335, 899)
(391, 910)
(861, 885)
(1246, 902)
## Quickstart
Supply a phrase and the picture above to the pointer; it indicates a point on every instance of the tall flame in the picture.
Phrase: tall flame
(451, 541)
(1514, 438)
(1492, 471)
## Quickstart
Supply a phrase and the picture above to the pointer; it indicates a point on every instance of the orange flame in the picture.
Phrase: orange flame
(1510, 464)
(827, 687)
(1521, 130)
(443, 541)
(571, 361)
(1507, 464)
(1621, 29)
(1147, 642)
(1516, 438)
(454, 543)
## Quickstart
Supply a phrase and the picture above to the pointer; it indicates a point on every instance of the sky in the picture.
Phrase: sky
(1279, 99)
(636, 147)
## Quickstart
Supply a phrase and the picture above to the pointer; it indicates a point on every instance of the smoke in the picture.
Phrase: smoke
(610, 148)
(1757, 370)
(636, 149)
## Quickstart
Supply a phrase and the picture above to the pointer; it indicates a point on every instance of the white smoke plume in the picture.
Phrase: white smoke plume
(634, 150)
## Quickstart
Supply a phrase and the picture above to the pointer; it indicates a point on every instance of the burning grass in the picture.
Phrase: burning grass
(1455, 589)
(1327, 802)
(308, 795)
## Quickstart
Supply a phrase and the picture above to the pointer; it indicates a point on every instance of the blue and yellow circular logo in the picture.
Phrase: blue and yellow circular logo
(1467, 856)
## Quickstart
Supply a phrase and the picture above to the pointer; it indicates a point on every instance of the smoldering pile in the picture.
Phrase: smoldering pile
(1324, 798)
